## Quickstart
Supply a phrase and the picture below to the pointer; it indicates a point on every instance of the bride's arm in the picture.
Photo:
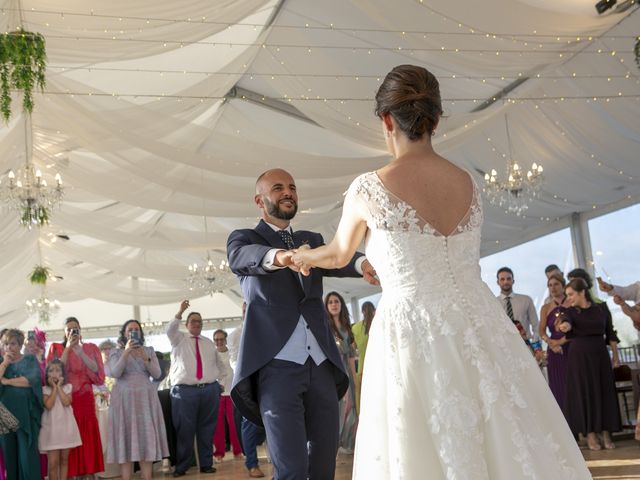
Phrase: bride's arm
(351, 231)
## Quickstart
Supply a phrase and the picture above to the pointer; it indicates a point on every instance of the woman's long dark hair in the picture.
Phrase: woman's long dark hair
(368, 312)
(343, 316)
(122, 339)
(66, 322)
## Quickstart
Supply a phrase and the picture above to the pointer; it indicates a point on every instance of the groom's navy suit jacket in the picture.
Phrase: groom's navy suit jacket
(275, 300)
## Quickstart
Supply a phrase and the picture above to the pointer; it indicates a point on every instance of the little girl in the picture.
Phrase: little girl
(59, 431)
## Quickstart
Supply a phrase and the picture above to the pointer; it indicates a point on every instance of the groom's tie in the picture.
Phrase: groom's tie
(286, 237)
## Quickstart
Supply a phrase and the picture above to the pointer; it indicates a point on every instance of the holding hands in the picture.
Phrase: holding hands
(301, 260)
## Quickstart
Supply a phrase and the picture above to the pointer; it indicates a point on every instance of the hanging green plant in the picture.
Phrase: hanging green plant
(637, 51)
(40, 275)
(23, 61)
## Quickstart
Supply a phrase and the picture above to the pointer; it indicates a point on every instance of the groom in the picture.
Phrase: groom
(289, 374)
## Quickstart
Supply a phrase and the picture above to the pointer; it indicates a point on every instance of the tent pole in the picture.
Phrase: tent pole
(581, 242)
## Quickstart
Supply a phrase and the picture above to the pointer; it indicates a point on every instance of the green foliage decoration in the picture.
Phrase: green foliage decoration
(636, 50)
(23, 62)
(39, 275)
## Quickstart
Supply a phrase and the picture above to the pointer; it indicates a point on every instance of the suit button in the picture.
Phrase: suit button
(308, 348)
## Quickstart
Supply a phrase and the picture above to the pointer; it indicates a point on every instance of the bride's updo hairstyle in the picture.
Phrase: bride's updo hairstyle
(411, 94)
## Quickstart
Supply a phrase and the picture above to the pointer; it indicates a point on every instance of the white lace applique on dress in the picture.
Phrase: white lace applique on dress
(450, 390)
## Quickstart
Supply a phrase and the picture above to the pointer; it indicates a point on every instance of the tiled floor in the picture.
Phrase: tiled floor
(623, 463)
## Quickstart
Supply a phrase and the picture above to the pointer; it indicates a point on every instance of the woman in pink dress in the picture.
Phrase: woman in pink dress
(83, 364)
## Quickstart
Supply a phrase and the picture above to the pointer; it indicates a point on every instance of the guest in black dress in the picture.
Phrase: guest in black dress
(591, 404)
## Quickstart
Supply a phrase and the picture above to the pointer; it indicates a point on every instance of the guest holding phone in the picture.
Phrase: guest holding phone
(83, 365)
(136, 425)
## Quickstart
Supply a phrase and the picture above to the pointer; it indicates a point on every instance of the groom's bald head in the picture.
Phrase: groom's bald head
(276, 196)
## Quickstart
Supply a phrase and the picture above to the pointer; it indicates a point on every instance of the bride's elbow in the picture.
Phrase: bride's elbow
(341, 260)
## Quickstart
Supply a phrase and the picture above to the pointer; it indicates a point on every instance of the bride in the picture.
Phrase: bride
(451, 392)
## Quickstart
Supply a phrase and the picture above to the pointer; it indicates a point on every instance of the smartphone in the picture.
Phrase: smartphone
(31, 335)
(75, 332)
(135, 336)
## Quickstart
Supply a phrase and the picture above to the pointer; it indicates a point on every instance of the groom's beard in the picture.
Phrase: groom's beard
(274, 210)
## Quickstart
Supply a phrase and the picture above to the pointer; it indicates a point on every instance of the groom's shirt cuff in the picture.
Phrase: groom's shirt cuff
(270, 256)
(358, 264)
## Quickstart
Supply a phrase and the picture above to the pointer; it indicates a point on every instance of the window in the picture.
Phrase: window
(616, 257)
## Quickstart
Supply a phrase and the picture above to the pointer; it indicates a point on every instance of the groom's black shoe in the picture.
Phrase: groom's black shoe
(179, 474)
(208, 470)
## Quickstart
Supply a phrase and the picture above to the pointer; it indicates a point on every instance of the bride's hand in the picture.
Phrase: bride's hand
(301, 259)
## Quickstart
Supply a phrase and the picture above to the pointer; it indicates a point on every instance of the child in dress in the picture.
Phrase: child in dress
(59, 431)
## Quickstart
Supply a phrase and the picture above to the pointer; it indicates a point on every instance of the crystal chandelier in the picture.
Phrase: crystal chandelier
(44, 308)
(28, 193)
(209, 278)
(518, 190)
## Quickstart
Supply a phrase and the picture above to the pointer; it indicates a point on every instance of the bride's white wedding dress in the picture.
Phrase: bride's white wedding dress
(450, 391)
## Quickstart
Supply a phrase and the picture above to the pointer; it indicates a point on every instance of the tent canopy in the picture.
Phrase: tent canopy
(160, 116)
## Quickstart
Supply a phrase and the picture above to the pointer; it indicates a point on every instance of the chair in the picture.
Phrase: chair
(624, 385)
(628, 355)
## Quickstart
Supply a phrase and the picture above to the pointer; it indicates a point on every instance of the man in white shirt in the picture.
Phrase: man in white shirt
(519, 308)
(630, 292)
(196, 369)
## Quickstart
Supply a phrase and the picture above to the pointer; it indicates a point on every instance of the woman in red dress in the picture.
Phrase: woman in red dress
(83, 364)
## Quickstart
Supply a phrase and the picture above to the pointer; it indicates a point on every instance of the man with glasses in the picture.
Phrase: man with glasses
(196, 369)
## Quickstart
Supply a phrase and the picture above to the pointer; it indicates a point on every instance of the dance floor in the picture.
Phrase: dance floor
(623, 463)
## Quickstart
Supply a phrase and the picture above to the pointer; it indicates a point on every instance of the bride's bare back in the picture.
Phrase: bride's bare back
(440, 192)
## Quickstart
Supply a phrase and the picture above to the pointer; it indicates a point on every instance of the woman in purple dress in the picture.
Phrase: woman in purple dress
(591, 404)
(558, 345)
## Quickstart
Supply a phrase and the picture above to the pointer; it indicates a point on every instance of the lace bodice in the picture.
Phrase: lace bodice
(408, 252)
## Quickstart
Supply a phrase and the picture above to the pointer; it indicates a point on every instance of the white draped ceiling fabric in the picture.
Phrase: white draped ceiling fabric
(160, 115)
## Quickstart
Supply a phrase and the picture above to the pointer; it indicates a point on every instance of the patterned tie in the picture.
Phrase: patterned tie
(286, 237)
(510, 309)
(198, 361)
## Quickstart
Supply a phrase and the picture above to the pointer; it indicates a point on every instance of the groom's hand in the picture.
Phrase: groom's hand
(369, 273)
(284, 258)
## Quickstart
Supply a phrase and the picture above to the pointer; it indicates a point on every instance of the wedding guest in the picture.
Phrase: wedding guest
(519, 308)
(583, 274)
(225, 409)
(553, 271)
(558, 345)
(339, 321)
(630, 292)
(21, 394)
(361, 337)
(59, 431)
(34, 344)
(591, 405)
(84, 368)
(196, 369)
(136, 425)
(549, 271)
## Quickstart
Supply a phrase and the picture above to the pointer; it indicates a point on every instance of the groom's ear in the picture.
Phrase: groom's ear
(258, 200)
